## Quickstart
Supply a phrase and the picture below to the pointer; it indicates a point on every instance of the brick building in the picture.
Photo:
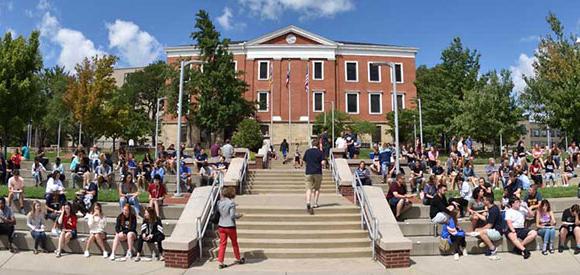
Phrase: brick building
(340, 73)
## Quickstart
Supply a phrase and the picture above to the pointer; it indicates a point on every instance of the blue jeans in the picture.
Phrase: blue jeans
(39, 239)
(133, 201)
(548, 234)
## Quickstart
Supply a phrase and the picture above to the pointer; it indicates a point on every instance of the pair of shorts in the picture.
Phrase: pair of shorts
(570, 229)
(522, 233)
(493, 234)
(394, 201)
(313, 182)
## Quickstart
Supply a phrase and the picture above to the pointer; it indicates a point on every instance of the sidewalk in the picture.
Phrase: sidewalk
(46, 264)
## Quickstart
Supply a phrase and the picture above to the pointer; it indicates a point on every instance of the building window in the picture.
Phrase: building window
(318, 70)
(352, 103)
(398, 73)
(265, 129)
(374, 73)
(536, 132)
(263, 101)
(318, 99)
(400, 101)
(375, 103)
(263, 70)
(235, 66)
(351, 71)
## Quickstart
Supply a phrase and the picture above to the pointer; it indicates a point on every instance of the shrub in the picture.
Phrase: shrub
(248, 135)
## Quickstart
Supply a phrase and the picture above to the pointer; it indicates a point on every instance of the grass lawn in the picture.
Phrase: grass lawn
(104, 195)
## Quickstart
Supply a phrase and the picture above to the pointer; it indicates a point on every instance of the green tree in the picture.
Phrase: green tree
(53, 85)
(88, 92)
(362, 127)
(20, 61)
(442, 88)
(552, 96)
(407, 119)
(341, 119)
(218, 94)
(143, 88)
(490, 110)
(248, 135)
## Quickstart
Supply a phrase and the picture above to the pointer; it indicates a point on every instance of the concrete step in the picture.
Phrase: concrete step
(314, 225)
(294, 243)
(429, 245)
(323, 209)
(112, 209)
(272, 253)
(297, 234)
(298, 186)
(302, 217)
(83, 228)
(284, 181)
(24, 241)
(276, 192)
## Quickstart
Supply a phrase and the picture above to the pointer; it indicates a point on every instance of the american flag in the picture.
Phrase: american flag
(307, 80)
(288, 75)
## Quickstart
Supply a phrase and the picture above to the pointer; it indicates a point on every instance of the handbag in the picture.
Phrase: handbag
(444, 246)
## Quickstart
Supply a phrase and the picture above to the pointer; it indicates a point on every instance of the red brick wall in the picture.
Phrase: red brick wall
(181, 259)
(347, 192)
(282, 40)
(393, 259)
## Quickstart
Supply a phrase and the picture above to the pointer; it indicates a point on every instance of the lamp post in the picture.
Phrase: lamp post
(179, 105)
(396, 107)
(157, 127)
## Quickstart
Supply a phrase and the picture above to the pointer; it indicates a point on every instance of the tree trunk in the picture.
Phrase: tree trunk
(113, 153)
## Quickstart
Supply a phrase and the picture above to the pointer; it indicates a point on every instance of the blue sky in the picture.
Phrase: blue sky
(505, 32)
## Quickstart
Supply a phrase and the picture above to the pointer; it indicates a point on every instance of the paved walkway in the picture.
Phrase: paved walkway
(46, 264)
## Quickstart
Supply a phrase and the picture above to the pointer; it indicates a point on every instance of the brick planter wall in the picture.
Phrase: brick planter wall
(181, 259)
(393, 259)
(347, 192)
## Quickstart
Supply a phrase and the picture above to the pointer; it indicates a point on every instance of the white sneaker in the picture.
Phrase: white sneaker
(54, 232)
(112, 258)
(129, 255)
(456, 256)
(465, 252)
(105, 254)
(87, 254)
(494, 258)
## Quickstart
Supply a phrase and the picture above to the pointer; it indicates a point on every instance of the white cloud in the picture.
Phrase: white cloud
(273, 9)
(10, 6)
(136, 47)
(43, 5)
(226, 20)
(531, 38)
(524, 67)
(12, 31)
(74, 45)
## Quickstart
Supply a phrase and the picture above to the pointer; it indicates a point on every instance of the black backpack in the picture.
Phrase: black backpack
(215, 215)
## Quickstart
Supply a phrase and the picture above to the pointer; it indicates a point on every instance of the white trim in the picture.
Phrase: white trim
(267, 101)
(277, 118)
(236, 66)
(346, 70)
(380, 94)
(314, 102)
(401, 93)
(267, 69)
(357, 102)
(402, 73)
(303, 118)
(369, 72)
(314, 71)
(291, 29)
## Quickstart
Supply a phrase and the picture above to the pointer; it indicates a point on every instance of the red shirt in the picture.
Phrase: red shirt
(69, 222)
(156, 190)
(16, 158)
(535, 169)
(400, 189)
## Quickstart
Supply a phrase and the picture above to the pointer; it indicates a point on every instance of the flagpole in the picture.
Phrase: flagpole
(308, 134)
(271, 103)
(289, 105)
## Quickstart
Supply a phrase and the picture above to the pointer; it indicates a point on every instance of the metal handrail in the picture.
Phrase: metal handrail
(335, 175)
(244, 172)
(367, 216)
(208, 209)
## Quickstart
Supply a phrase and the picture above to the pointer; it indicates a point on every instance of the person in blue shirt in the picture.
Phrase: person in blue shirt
(186, 177)
(26, 152)
(385, 158)
(454, 234)
(158, 170)
(363, 174)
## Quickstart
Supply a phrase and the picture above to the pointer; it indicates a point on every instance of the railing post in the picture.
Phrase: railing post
(199, 237)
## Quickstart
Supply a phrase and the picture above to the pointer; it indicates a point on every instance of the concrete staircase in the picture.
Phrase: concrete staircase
(275, 223)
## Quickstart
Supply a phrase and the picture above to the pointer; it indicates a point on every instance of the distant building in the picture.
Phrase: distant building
(537, 133)
(120, 74)
(340, 73)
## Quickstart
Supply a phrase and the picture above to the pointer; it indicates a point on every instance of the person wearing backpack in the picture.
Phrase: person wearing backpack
(227, 226)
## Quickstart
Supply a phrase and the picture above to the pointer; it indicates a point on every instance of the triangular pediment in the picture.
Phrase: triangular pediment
(291, 35)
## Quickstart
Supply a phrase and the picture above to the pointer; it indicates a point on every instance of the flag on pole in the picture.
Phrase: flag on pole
(270, 76)
(307, 80)
(288, 75)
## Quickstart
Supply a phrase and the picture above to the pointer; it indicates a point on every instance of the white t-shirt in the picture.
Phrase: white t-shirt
(340, 142)
(54, 185)
(516, 216)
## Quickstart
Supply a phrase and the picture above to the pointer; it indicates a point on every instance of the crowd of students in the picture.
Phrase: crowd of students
(92, 172)
(522, 213)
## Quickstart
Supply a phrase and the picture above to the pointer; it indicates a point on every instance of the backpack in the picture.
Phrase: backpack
(215, 216)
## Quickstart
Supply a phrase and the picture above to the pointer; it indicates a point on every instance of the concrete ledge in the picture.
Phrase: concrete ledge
(393, 248)
(182, 245)
(344, 172)
(234, 174)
